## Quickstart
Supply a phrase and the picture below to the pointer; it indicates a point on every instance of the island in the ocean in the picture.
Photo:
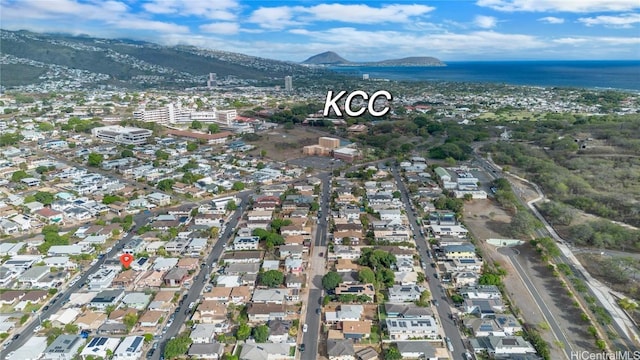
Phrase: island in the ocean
(330, 58)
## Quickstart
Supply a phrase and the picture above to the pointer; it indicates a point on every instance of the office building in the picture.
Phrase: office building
(288, 83)
(122, 135)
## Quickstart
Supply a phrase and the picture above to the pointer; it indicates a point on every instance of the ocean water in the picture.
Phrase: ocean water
(624, 75)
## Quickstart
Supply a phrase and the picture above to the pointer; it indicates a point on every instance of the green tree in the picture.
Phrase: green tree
(278, 223)
(148, 338)
(213, 128)
(95, 159)
(166, 184)
(231, 206)
(367, 276)
(126, 153)
(522, 224)
(46, 198)
(490, 279)
(192, 146)
(331, 280)
(162, 155)
(130, 320)
(42, 169)
(52, 334)
(110, 199)
(376, 259)
(71, 328)
(261, 333)
(243, 332)
(386, 276)
(45, 126)
(177, 347)
(425, 296)
(392, 353)
(17, 176)
(271, 278)
(238, 186)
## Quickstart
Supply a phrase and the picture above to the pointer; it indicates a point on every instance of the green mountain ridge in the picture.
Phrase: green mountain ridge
(33, 58)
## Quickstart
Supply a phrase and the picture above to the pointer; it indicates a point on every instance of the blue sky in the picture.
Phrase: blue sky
(357, 30)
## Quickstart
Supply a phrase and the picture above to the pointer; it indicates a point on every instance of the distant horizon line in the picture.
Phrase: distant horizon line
(492, 60)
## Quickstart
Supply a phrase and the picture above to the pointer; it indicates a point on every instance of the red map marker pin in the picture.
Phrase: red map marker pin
(126, 259)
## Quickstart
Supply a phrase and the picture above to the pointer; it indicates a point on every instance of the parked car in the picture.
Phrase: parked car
(305, 328)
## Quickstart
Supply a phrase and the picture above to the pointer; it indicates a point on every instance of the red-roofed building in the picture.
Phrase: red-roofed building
(50, 215)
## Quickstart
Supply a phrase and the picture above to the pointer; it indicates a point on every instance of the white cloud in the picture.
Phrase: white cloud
(598, 40)
(82, 15)
(375, 43)
(274, 18)
(485, 22)
(209, 9)
(620, 21)
(149, 25)
(35, 9)
(227, 28)
(283, 16)
(576, 6)
(552, 20)
(364, 14)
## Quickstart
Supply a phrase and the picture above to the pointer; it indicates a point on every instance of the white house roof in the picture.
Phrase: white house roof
(164, 263)
(31, 350)
(98, 346)
(66, 316)
(8, 248)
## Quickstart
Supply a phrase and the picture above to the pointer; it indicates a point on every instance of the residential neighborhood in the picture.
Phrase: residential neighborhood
(329, 253)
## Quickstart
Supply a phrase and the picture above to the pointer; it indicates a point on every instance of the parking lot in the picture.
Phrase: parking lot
(316, 162)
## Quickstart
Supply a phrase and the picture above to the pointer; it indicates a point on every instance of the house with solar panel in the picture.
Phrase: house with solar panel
(64, 347)
(129, 349)
(98, 346)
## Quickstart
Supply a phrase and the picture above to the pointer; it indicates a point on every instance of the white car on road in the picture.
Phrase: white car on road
(305, 328)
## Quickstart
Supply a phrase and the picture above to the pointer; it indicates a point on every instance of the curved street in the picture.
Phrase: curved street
(629, 338)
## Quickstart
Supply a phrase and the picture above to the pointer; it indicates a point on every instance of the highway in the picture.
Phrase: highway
(437, 291)
(139, 220)
(182, 313)
(313, 320)
(628, 338)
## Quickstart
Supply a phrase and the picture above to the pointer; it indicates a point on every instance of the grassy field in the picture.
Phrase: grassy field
(283, 144)
(511, 115)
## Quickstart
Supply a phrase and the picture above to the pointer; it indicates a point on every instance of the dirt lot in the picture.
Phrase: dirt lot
(486, 220)
(281, 144)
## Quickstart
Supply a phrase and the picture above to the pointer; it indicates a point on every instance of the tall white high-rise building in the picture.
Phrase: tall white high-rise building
(288, 83)
(212, 81)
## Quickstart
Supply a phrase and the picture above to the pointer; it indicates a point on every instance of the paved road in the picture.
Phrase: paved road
(182, 313)
(313, 320)
(627, 336)
(512, 254)
(437, 292)
(139, 219)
